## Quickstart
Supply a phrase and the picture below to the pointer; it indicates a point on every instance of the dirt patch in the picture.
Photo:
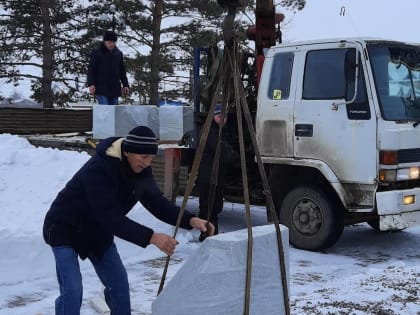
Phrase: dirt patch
(367, 261)
(22, 300)
(160, 262)
(303, 278)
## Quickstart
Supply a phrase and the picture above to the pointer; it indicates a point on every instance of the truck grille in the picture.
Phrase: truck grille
(408, 155)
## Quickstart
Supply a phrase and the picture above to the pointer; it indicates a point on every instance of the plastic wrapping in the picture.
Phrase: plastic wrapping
(118, 120)
(212, 280)
(175, 121)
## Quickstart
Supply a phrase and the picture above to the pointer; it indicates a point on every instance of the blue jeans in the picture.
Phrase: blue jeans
(110, 271)
(105, 100)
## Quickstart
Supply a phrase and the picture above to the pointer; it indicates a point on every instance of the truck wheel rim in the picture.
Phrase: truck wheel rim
(307, 217)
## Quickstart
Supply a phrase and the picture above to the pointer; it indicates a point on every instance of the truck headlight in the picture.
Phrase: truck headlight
(414, 173)
(408, 173)
(399, 174)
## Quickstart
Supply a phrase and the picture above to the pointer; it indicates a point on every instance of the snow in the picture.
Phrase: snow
(366, 272)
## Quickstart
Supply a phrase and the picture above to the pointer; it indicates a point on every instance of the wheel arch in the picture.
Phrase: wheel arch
(284, 177)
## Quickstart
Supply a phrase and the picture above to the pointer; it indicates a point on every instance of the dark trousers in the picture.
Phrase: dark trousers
(204, 190)
(106, 100)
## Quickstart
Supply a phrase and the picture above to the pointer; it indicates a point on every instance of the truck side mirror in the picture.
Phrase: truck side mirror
(351, 72)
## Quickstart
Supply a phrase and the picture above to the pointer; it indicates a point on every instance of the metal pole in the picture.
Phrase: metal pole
(113, 9)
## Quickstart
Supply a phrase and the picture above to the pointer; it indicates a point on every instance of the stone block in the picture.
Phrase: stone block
(118, 120)
(212, 280)
(175, 121)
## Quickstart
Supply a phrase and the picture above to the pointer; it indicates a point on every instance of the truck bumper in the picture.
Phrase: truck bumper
(393, 213)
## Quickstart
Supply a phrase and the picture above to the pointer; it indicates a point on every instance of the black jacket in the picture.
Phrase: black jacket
(227, 156)
(106, 71)
(92, 207)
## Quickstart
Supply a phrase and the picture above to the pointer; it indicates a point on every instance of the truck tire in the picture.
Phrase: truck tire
(313, 220)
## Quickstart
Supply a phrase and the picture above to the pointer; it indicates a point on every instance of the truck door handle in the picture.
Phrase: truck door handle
(304, 130)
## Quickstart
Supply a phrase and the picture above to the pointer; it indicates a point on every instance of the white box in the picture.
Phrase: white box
(175, 121)
(118, 120)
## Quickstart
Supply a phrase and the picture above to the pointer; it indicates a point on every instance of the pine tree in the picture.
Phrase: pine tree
(40, 41)
(293, 4)
(159, 33)
(49, 41)
(161, 36)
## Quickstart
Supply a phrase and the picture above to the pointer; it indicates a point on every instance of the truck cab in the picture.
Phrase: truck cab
(338, 126)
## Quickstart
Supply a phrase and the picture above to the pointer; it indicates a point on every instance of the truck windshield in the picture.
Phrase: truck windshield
(396, 70)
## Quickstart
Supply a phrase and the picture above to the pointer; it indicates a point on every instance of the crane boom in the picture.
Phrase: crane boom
(264, 33)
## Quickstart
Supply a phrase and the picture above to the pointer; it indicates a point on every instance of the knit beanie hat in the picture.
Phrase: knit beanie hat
(140, 140)
(217, 109)
(110, 35)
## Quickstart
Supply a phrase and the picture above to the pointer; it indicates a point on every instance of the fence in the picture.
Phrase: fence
(43, 121)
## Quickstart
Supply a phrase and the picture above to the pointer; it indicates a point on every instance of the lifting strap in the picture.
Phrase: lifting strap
(193, 173)
(216, 159)
(231, 71)
(240, 94)
(236, 82)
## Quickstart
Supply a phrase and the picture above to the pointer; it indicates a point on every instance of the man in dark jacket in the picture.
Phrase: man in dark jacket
(92, 208)
(227, 156)
(106, 71)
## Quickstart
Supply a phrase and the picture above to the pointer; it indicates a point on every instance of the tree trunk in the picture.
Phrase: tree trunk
(155, 53)
(47, 56)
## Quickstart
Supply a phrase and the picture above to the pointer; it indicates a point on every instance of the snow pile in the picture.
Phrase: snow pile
(30, 178)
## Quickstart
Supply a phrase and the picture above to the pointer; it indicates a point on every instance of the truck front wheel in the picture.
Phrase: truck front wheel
(313, 221)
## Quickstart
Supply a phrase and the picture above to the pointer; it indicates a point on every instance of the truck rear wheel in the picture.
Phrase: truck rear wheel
(314, 222)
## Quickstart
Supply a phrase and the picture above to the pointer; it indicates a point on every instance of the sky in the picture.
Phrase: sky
(329, 19)
(354, 18)
(366, 272)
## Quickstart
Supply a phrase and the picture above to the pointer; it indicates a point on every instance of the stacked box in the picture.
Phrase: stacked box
(175, 121)
(118, 120)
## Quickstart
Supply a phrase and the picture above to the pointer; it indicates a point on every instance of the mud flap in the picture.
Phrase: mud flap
(393, 213)
(399, 221)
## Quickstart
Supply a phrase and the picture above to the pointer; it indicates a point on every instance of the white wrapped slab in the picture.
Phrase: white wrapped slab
(99, 304)
(212, 280)
(118, 120)
(175, 121)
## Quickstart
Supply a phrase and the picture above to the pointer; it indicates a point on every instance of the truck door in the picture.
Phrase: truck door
(341, 135)
(276, 96)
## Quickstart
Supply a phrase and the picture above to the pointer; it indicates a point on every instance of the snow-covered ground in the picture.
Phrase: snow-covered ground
(366, 272)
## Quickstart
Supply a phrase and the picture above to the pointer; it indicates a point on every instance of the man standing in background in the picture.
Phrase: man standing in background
(106, 71)
(227, 158)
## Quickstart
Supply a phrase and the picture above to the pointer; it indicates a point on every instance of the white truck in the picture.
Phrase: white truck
(338, 127)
